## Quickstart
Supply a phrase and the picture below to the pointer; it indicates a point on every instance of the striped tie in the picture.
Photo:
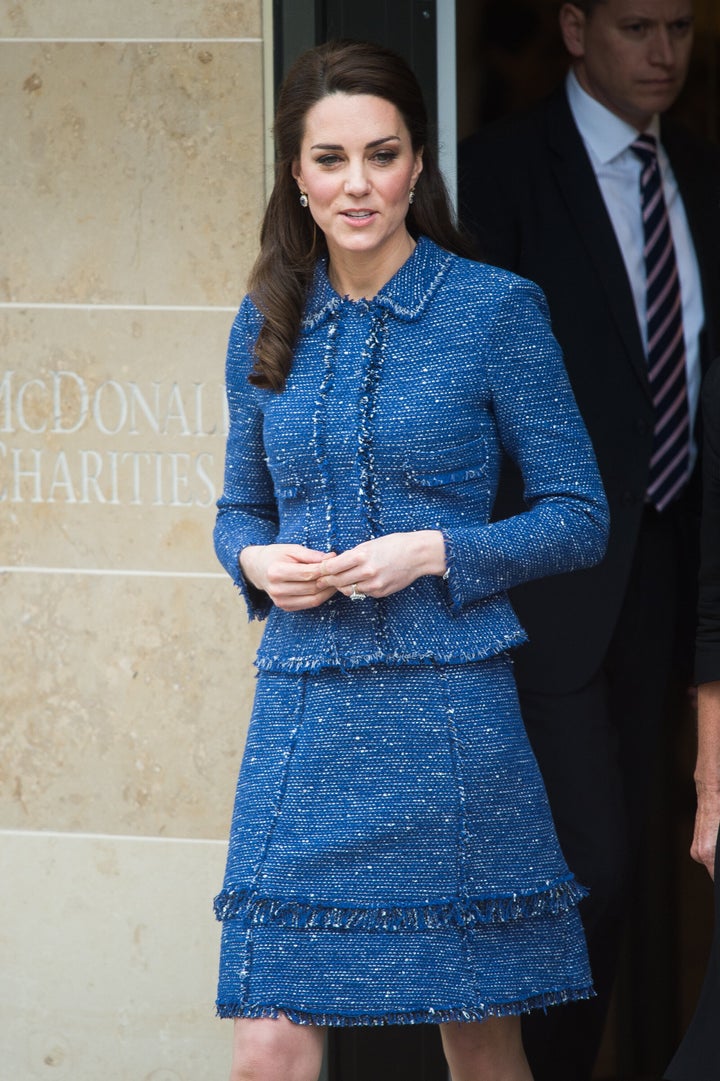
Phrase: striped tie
(669, 464)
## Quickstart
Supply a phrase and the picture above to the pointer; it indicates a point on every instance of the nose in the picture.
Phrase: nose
(661, 48)
(357, 181)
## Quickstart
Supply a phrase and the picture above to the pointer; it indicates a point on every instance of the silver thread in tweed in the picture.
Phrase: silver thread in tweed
(392, 856)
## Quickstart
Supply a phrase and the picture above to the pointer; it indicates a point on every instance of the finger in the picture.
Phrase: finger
(310, 555)
(336, 565)
(344, 582)
(357, 591)
(303, 602)
(293, 594)
(325, 583)
(293, 572)
(702, 851)
(346, 585)
(291, 590)
(357, 587)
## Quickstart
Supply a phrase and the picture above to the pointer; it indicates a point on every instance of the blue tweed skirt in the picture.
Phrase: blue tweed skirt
(392, 855)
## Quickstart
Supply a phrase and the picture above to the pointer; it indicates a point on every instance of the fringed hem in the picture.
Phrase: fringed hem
(553, 899)
(257, 603)
(294, 665)
(412, 1017)
(450, 577)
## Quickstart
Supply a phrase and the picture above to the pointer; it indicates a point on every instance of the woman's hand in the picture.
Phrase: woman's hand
(385, 565)
(288, 573)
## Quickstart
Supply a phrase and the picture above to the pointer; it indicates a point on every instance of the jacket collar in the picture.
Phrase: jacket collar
(577, 183)
(405, 296)
(604, 134)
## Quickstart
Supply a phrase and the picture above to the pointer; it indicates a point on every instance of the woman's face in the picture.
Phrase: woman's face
(357, 167)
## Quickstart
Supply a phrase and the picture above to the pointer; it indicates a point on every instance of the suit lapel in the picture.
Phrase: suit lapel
(579, 189)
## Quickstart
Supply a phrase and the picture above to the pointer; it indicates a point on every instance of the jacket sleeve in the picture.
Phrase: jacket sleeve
(565, 526)
(247, 510)
(707, 651)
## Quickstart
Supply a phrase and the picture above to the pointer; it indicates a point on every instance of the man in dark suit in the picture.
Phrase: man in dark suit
(560, 196)
(698, 1057)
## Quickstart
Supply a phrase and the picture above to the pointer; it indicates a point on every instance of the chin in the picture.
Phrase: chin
(661, 100)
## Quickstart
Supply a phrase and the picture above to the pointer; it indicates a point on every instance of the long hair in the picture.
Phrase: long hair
(290, 243)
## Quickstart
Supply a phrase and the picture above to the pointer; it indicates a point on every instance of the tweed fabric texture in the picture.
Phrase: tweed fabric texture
(392, 856)
(392, 853)
(393, 419)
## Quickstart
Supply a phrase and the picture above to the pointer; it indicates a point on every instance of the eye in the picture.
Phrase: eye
(328, 159)
(681, 27)
(384, 157)
(636, 29)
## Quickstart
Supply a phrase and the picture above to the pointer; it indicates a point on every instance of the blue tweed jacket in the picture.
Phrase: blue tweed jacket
(393, 419)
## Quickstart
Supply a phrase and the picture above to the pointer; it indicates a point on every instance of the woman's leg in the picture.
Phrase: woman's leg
(489, 1050)
(275, 1049)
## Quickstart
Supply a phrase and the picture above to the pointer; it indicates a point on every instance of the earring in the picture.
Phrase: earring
(411, 196)
(303, 199)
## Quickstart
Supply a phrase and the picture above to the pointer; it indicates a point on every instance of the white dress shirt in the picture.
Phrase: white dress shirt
(607, 140)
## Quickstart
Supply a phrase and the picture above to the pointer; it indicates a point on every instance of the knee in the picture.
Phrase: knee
(489, 1049)
(274, 1049)
(255, 1055)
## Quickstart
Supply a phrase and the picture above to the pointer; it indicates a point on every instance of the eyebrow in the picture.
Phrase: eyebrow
(686, 17)
(368, 146)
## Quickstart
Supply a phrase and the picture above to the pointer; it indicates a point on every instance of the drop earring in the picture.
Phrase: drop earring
(303, 199)
(411, 196)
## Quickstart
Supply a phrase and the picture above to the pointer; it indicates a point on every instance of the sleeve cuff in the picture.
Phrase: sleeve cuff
(451, 577)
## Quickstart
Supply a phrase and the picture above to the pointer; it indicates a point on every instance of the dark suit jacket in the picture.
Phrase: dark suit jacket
(707, 658)
(529, 194)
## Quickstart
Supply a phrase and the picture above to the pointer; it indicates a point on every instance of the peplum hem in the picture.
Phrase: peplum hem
(431, 1015)
(346, 661)
(553, 899)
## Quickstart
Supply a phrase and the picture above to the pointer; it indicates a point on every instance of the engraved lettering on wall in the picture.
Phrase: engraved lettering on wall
(64, 440)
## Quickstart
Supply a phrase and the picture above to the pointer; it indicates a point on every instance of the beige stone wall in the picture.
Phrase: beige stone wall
(132, 182)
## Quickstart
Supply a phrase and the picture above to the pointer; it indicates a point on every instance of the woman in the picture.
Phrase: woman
(392, 857)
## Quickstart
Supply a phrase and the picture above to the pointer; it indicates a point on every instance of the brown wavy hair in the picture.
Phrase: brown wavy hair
(290, 243)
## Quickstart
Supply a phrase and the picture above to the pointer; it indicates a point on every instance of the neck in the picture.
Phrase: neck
(635, 119)
(362, 274)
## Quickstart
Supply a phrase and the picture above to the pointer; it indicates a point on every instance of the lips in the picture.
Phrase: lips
(358, 215)
(660, 84)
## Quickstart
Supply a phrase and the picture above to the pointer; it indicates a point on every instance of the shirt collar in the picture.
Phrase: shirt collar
(603, 133)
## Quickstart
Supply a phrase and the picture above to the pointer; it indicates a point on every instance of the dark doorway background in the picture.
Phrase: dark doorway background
(509, 54)
(407, 26)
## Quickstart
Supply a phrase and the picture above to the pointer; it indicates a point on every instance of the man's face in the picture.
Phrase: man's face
(631, 55)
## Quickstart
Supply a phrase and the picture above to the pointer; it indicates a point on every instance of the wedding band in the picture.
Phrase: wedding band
(355, 596)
